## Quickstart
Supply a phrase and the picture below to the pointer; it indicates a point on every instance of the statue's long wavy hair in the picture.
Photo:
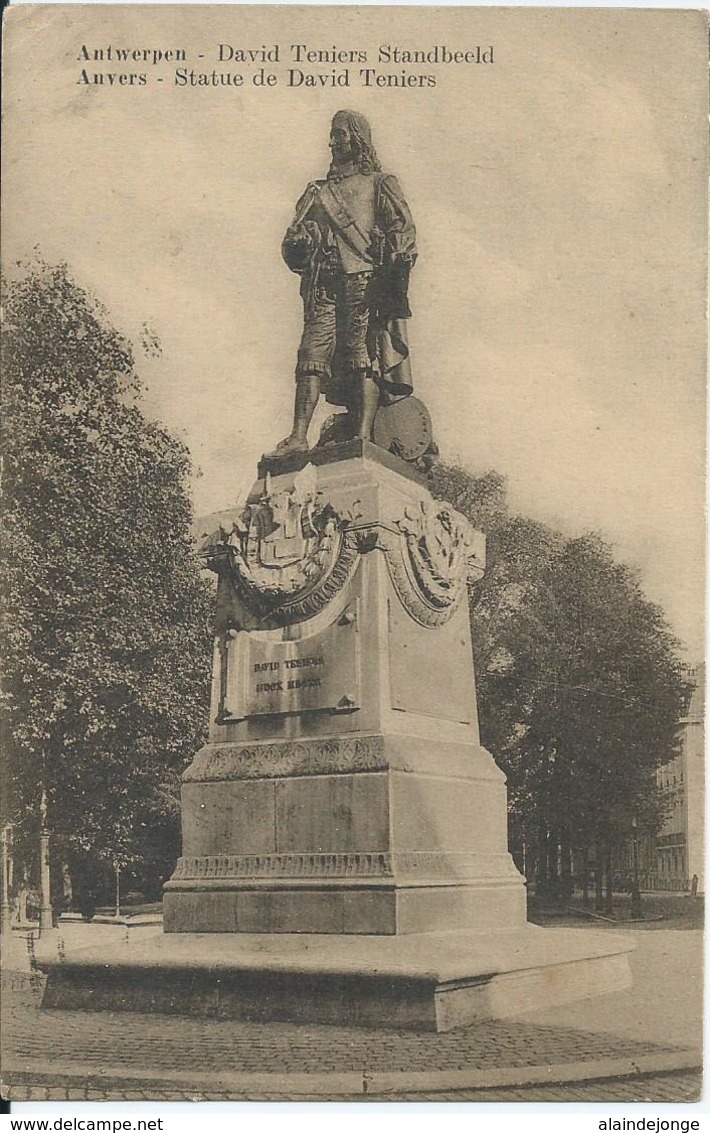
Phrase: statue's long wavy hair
(364, 154)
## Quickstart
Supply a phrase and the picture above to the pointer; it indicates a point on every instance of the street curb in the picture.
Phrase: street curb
(350, 1083)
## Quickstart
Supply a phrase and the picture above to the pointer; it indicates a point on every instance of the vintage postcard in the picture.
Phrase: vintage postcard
(353, 553)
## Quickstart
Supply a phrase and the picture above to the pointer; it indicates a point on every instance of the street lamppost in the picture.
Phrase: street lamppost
(6, 908)
(636, 911)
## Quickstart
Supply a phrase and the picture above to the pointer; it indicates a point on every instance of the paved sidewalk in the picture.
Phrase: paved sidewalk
(665, 1001)
(600, 1049)
(134, 1055)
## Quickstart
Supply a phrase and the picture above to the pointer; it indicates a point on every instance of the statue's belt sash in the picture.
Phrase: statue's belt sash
(344, 224)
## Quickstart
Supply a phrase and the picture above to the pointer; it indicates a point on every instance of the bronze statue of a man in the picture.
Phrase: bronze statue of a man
(352, 241)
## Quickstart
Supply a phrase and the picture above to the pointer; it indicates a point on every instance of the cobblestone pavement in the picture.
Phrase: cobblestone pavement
(681, 1087)
(173, 1043)
(79, 1054)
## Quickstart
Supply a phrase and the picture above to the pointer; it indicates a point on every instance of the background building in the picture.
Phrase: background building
(680, 846)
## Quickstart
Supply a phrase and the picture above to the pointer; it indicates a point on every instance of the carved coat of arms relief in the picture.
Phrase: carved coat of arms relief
(431, 560)
(287, 553)
(290, 553)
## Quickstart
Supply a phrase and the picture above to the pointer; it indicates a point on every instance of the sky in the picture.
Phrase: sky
(558, 331)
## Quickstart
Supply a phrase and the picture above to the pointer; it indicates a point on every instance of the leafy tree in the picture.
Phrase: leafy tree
(580, 685)
(107, 620)
(603, 715)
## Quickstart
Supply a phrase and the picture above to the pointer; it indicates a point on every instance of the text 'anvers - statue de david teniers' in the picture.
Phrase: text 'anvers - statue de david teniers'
(353, 243)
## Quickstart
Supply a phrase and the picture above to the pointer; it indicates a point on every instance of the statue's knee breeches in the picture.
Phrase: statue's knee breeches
(336, 317)
(315, 354)
(353, 322)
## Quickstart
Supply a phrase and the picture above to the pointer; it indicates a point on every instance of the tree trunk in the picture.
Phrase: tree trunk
(598, 879)
(7, 910)
(541, 884)
(85, 884)
(566, 883)
(56, 885)
(585, 877)
(553, 876)
(531, 864)
(609, 897)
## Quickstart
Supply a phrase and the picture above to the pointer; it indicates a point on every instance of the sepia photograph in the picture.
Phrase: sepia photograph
(353, 554)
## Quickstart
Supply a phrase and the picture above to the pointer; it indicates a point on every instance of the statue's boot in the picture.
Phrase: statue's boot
(287, 447)
(369, 403)
(307, 394)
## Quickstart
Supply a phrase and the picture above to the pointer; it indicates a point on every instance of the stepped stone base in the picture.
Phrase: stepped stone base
(423, 982)
(373, 835)
(360, 909)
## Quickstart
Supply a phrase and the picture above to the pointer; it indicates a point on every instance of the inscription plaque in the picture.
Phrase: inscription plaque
(314, 674)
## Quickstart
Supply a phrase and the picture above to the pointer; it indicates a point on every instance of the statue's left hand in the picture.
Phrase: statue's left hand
(300, 236)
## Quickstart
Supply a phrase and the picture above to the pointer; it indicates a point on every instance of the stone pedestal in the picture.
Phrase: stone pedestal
(344, 788)
(344, 833)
